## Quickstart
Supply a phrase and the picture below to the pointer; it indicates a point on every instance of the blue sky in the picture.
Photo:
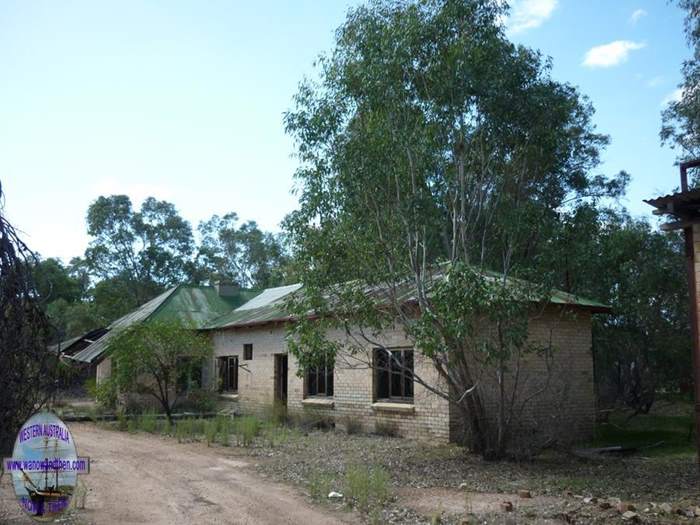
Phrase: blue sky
(184, 100)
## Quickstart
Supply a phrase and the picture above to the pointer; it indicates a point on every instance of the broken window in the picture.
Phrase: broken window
(247, 351)
(393, 374)
(228, 373)
(319, 381)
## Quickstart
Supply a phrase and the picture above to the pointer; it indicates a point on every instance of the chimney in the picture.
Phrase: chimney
(226, 288)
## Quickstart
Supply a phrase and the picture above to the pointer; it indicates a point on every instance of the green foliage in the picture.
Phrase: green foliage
(201, 400)
(90, 387)
(147, 248)
(148, 422)
(654, 435)
(106, 394)
(246, 429)
(122, 422)
(148, 357)
(418, 170)
(132, 425)
(210, 431)
(681, 117)
(367, 487)
(240, 254)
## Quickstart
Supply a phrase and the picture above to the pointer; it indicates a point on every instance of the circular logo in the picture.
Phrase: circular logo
(45, 466)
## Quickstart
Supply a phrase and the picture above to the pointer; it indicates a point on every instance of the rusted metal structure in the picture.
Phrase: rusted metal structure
(684, 210)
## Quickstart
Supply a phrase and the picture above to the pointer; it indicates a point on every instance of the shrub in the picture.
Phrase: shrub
(200, 400)
(277, 414)
(367, 488)
(132, 425)
(223, 424)
(106, 394)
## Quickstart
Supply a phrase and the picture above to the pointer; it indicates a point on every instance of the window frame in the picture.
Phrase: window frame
(247, 351)
(326, 373)
(381, 373)
(225, 377)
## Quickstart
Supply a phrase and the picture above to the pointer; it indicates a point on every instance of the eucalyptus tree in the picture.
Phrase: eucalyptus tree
(432, 149)
(681, 118)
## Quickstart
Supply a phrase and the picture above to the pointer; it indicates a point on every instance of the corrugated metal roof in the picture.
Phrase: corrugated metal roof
(273, 310)
(680, 198)
(192, 305)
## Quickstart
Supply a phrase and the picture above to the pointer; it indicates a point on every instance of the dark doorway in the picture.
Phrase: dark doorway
(281, 379)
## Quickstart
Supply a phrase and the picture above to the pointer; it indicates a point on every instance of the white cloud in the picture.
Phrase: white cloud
(612, 54)
(529, 14)
(636, 15)
(674, 96)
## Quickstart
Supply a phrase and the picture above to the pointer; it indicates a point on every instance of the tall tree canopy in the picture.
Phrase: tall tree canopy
(146, 249)
(243, 254)
(681, 119)
(430, 138)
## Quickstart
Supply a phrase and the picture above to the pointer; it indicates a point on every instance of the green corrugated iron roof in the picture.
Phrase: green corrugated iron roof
(192, 305)
(273, 310)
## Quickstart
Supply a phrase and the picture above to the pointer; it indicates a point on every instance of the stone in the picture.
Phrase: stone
(666, 508)
(590, 499)
(625, 506)
(463, 486)
(604, 504)
(334, 495)
(524, 494)
(506, 506)
(630, 516)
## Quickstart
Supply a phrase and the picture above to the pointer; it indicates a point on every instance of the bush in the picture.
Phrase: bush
(367, 488)
(132, 425)
(106, 394)
(200, 400)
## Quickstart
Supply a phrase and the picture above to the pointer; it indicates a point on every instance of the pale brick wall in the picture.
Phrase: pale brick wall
(431, 416)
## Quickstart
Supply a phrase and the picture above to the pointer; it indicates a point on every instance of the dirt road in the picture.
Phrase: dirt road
(140, 478)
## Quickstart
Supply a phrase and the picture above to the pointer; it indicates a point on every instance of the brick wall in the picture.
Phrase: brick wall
(569, 402)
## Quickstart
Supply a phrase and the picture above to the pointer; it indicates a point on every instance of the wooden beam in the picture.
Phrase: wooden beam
(676, 225)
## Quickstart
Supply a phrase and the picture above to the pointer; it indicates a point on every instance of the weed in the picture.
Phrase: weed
(246, 429)
(320, 485)
(210, 431)
(148, 422)
(132, 425)
(122, 423)
(368, 488)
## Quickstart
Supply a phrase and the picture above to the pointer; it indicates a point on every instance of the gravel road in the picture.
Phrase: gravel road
(141, 478)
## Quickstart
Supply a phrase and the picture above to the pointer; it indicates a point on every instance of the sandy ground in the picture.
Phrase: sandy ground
(149, 479)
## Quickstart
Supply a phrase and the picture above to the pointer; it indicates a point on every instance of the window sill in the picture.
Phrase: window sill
(229, 396)
(388, 406)
(319, 402)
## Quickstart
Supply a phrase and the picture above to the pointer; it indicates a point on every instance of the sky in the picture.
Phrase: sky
(184, 101)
